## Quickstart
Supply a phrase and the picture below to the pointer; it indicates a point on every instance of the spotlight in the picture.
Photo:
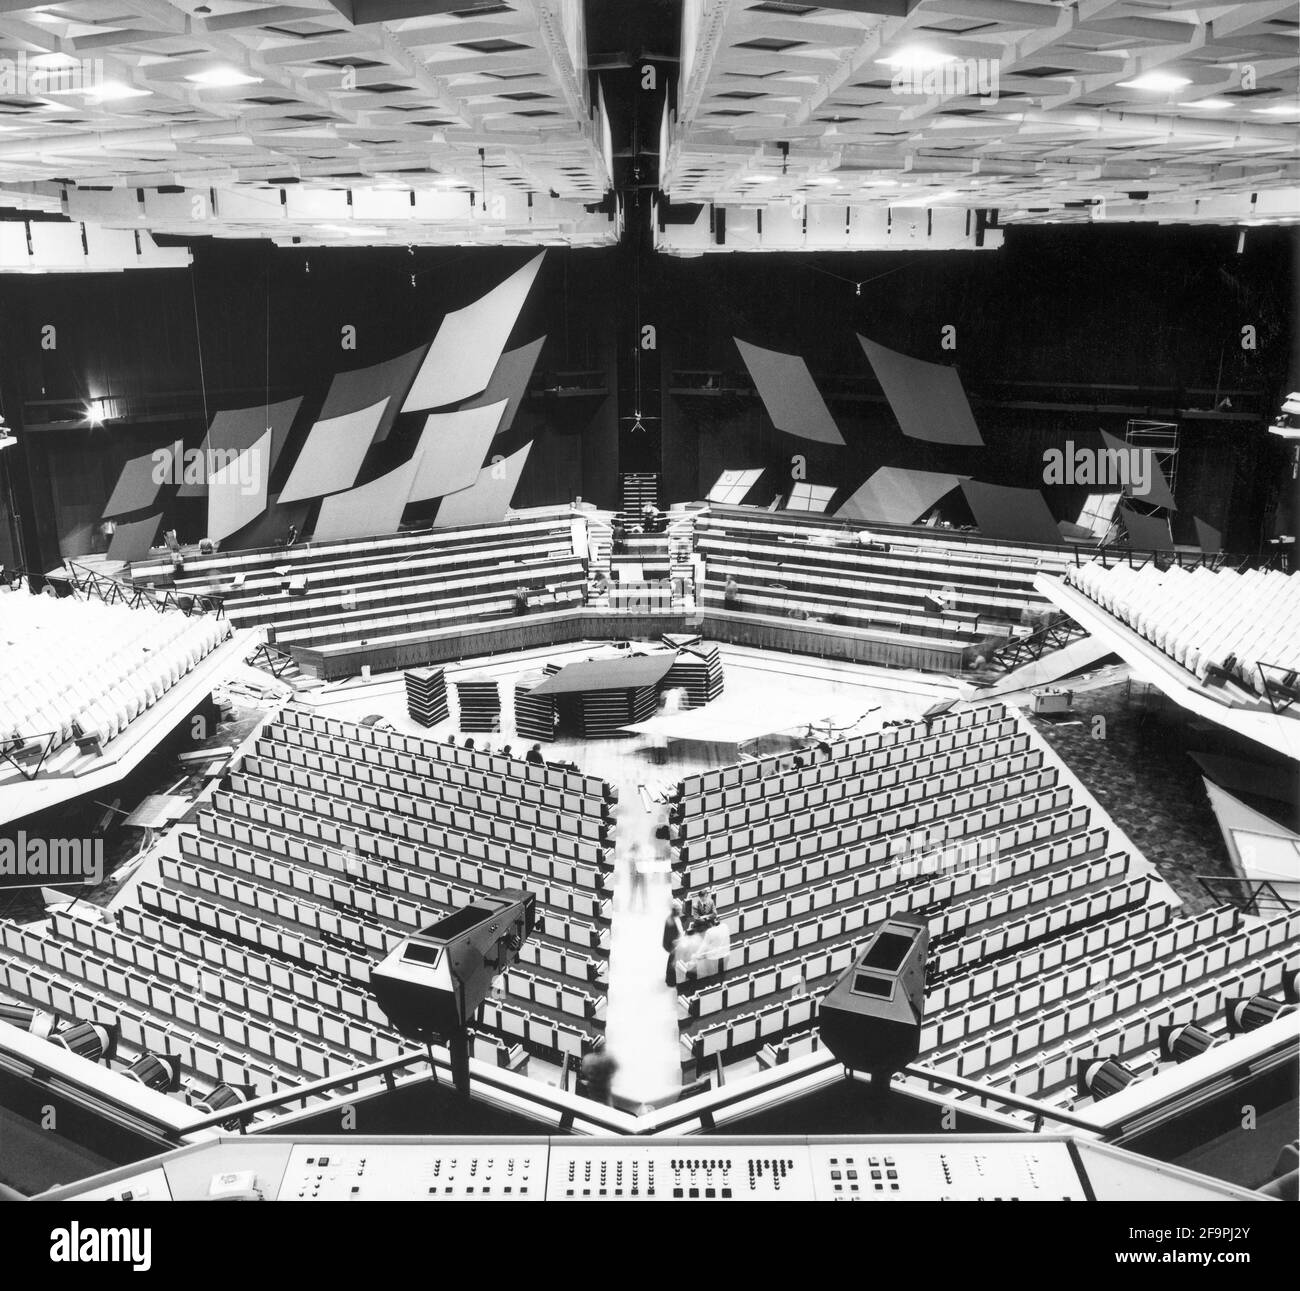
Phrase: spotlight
(34, 1021)
(221, 1097)
(1102, 1077)
(1253, 1013)
(95, 1041)
(1183, 1042)
(162, 1073)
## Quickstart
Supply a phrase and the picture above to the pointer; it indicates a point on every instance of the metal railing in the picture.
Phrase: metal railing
(91, 583)
(1247, 891)
(1022, 650)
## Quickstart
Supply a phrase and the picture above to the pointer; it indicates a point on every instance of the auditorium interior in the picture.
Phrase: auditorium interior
(649, 599)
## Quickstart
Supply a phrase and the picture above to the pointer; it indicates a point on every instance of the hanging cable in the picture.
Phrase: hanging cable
(198, 341)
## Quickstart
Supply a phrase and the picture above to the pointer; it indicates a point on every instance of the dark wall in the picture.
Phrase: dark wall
(1053, 313)
(252, 323)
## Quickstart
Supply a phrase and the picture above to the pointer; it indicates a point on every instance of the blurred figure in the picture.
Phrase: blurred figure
(596, 1074)
(673, 933)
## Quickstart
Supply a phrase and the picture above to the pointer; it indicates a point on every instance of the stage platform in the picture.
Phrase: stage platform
(90, 773)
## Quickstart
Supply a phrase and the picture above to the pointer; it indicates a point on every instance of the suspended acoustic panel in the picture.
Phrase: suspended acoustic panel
(1011, 515)
(331, 458)
(895, 495)
(1158, 492)
(237, 492)
(789, 394)
(271, 527)
(132, 541)
(374, 508)
(136, 488)
(237, 429)
(351, 392)
(469, 344)
(1208, 538)
(510, 381)
(731, 487)
(927, 398)
(810, 497)
(452, 447)
(488, 499)
(1146, 533)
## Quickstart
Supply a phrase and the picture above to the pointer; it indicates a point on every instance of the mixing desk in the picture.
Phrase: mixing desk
(1012, 1167)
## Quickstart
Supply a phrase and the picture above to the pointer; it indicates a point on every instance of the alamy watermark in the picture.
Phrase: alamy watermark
(957, 78)
(914, 857)
(177, 464)
(41, 859)
(23, 74)
(1129, 468)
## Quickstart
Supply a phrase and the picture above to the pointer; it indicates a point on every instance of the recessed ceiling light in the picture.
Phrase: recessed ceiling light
(111, 90)
(824, 179)
(219, 76)
(759, 179)
(1156, 81)
(916, 56)
(1210, 105)
(1279, 110)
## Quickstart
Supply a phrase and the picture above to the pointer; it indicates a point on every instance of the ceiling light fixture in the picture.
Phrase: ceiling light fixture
(916, 56)
(111, 90)
(223, 76)
(1159, 81)
(1209, 105)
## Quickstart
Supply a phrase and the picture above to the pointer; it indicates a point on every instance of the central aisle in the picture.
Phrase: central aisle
(641, 1030)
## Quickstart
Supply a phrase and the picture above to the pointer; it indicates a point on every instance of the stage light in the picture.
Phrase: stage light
(223, 76)
(93, 417)
(1253, 1013)
(154, 1071)
(95, 1041)
(1102, 1077)
(1159, 81)
(26, 1018)
(1186, 1041)
(222, 1097)
(916, 56)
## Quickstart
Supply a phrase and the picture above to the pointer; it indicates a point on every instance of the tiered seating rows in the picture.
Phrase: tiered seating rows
(988, 781)
(773, 774)
(85, 664)
(277, 757)
(459, 765)
(1204, 619)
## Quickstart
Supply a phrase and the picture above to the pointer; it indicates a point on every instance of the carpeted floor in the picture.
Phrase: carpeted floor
(1141, 774)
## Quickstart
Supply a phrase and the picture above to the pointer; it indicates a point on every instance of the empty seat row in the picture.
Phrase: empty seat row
(934, 737)
(512, 785)
(590, 787)
(929, 825)
(434, 893)
(485, 822)
(239, 818)
(1069, 976)
(958, 769)
(271, 754)
(837, 822)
